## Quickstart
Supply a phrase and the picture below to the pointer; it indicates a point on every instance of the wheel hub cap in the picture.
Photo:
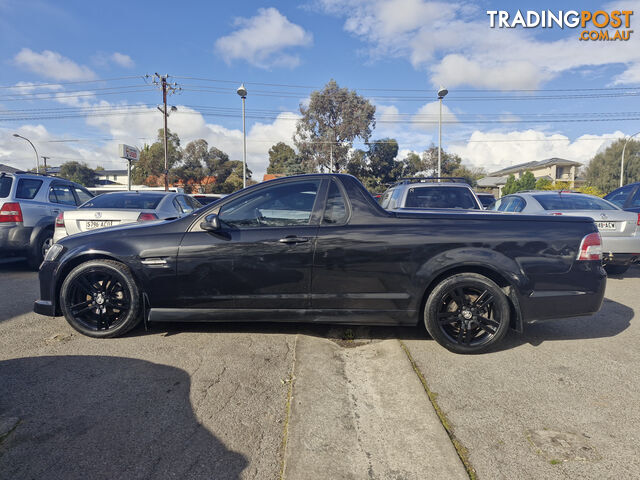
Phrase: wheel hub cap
(99, 298)
(466, 314)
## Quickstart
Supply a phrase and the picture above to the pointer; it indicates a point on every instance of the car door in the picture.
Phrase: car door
(261, 256)
(61, 197)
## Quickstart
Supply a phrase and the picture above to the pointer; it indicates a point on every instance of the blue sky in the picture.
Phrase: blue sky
(515, 94)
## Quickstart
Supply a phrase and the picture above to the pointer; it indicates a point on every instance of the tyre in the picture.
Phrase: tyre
(39, 249)
(616, 269)
(101, 299)
(467, 313)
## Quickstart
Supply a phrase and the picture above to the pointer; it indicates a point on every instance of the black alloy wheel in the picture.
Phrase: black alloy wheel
(467, 313)
(100, 299)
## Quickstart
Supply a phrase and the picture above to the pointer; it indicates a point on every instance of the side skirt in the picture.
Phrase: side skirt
(347, 317)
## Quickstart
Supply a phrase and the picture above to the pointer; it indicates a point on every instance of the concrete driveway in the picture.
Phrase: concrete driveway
(296, 401)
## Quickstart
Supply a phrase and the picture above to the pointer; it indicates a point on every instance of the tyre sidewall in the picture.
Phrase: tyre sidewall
(35, 257)
(470, 279)
(125, 276)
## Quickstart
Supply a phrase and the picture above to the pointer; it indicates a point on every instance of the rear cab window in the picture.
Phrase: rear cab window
(28, 188)
(441, 197)
(573, 202)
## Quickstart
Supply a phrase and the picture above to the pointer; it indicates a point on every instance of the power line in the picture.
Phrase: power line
(38, 85)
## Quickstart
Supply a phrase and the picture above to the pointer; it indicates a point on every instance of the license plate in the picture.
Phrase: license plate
(606, 225)
(91, 224)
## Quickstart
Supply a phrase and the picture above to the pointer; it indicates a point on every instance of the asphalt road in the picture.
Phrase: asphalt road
(296, 401)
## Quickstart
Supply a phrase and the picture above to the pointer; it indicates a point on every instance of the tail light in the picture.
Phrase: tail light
(590, 247)
(146, 217)
(11, 212)
(60, 220)
(556, 213)
(638, 222)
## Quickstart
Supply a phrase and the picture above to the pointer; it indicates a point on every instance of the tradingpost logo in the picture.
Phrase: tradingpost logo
(598, 25)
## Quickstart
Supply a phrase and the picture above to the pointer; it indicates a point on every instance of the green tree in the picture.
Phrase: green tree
(511, 186)
(603, 171)
(449, 162)
(193, 167)
(382, 165)
(544, 184)
(334, 119)
(471, 175)
(149, 169)
(527, 181)
(79, 173)
(283, 160)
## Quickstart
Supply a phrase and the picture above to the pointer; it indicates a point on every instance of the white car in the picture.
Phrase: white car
(117, 208)
(619, 229)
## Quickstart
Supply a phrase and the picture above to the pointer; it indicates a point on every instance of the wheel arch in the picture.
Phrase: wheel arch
(515, 322)
(68, 266)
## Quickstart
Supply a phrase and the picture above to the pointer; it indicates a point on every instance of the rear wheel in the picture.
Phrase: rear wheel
(616, 269)
(39, 249)
(101, 299)
(467, 313)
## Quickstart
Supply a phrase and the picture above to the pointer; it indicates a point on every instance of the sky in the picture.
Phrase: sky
(76, 77)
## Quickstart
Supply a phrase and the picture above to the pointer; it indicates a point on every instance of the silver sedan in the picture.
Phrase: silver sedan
(117, 208)
(620, 230)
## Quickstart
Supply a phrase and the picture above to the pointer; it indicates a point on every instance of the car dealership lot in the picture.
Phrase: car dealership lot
(246, 401)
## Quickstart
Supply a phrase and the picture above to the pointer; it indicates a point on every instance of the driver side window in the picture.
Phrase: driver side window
(285, 205)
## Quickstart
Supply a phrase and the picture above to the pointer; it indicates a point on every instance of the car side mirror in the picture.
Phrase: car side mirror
(211, 223)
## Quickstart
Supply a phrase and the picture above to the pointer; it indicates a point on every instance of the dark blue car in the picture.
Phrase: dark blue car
(627, 197)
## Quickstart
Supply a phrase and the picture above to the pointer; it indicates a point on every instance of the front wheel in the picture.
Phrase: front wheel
(39, 249)
(467, 313)
(101, 299)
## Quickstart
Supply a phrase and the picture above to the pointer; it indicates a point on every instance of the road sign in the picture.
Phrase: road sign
(128, 152)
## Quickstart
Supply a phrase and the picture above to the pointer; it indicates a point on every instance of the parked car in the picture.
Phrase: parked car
(207, 198)
(627, 197)
(318, 248)
(29, 205)
(430, 193)
(109, 209)
(620, 230)
(486, 199)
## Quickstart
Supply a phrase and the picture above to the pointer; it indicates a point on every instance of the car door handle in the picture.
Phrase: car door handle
(293, 239)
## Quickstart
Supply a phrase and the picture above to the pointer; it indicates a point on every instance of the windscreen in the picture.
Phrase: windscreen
(5, 186)
(573, 202)
(147, 201)
(440, 197)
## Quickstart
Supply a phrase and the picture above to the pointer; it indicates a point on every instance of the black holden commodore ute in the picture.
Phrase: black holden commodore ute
(318, 248)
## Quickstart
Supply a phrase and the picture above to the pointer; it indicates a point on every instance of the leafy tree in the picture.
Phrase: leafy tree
(149, 169)
(527, 181)
(283, 160)
(334, 118)
(603, 171)
(449, 162)
(471, 175)
(544, 184)
(382, 154)
(193, 167)
(79, 173)
(410, 166)
(511, 186)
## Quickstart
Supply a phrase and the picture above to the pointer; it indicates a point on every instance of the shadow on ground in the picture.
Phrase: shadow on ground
(19, 288)
(96, 417)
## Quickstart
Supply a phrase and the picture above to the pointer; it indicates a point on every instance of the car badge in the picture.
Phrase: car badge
(98, 215)
(602, 215)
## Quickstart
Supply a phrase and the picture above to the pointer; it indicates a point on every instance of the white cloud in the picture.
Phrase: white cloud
(428, 117)
(455, 44)
(29, 87)
(123, 60)
(494, 150)
(50, 64)
(260, 40)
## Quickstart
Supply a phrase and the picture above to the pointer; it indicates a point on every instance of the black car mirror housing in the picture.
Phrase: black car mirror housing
(211, 223)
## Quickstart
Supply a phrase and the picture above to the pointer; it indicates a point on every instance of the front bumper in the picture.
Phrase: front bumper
(47, 304)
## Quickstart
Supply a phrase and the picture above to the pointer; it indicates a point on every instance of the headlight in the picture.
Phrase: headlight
(54, 252)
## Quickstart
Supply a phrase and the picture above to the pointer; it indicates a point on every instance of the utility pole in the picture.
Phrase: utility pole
(167, 88)
(44, 159)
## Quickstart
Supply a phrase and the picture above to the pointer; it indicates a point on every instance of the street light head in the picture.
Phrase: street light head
(174, 108)
(16, 135)
(442, 92)
(242, 91)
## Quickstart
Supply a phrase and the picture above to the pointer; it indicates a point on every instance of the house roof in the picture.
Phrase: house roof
(492, 181)
(535, 165)
(111, 172)
(8, 168)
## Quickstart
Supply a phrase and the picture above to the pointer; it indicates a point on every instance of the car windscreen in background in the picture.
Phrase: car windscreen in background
(5, 186)
(125, 201)
(440, 197)
(28, 188)
(573, 202)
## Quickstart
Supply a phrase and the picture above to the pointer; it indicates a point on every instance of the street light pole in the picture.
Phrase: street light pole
(622, 158)
(34, 149)
(242, 91)
(441, 94)
(166, 160)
